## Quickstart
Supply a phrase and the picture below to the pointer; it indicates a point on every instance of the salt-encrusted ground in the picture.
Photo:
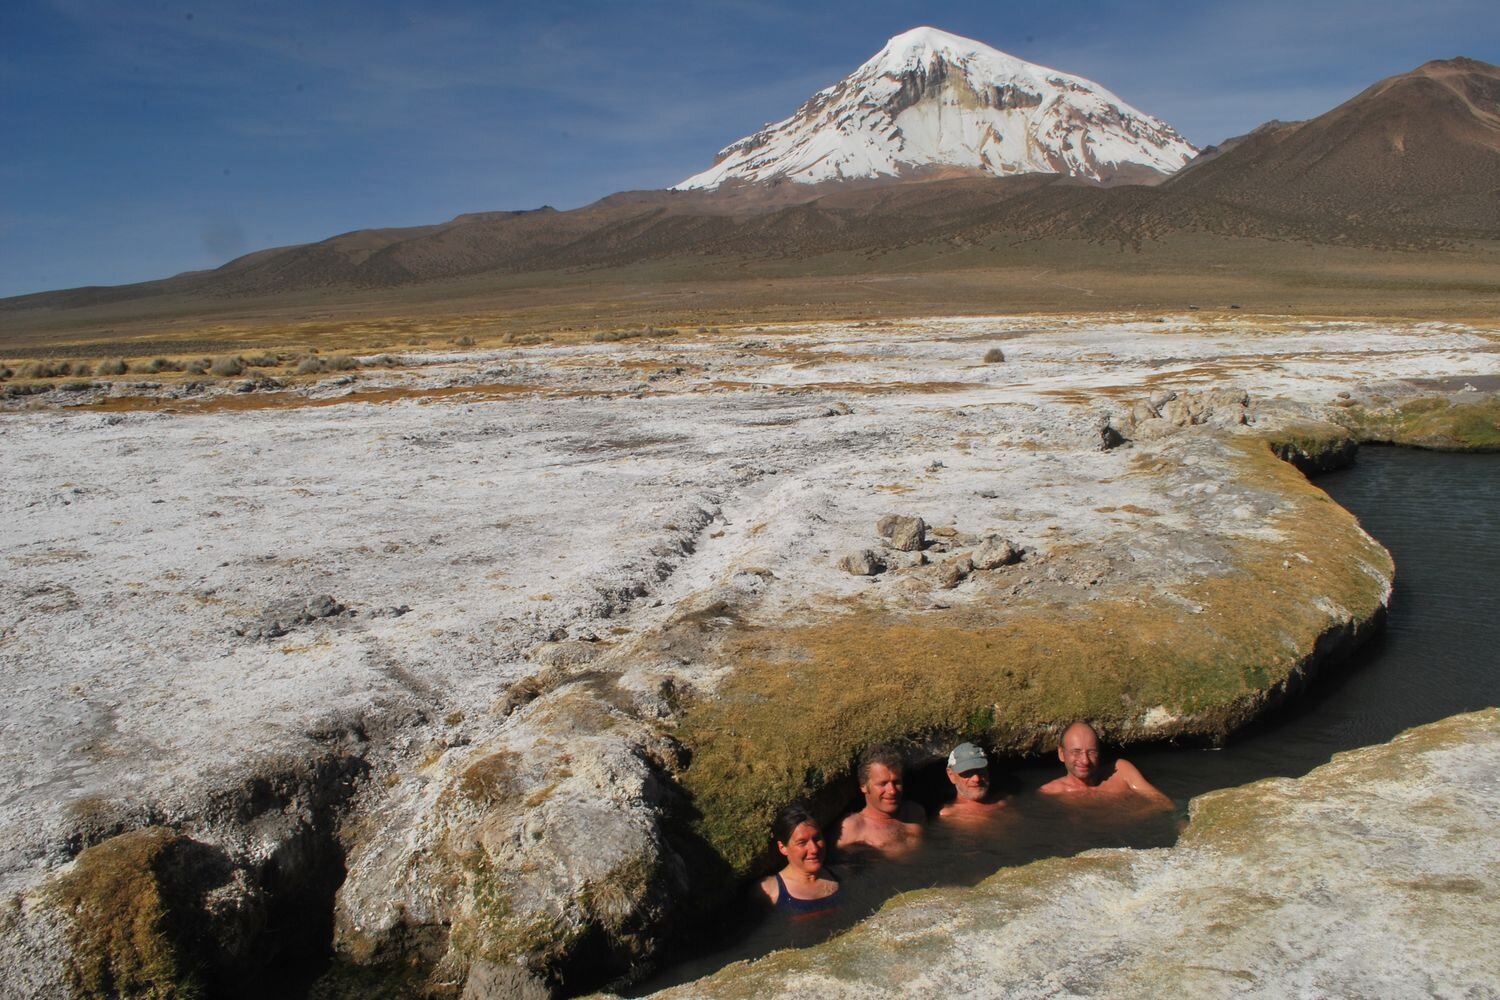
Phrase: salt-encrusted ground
(159, 560)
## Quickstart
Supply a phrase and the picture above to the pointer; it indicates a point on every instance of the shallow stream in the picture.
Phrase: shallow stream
(1439, 654)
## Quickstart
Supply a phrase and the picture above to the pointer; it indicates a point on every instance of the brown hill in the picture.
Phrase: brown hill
(1417, 151)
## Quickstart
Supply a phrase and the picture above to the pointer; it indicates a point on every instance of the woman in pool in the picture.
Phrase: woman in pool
(805, 885)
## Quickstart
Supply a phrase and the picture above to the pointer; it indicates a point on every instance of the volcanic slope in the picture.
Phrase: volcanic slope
(933, 100)
(1420, 150)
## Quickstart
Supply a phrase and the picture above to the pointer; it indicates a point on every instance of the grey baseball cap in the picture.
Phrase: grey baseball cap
(967, 757)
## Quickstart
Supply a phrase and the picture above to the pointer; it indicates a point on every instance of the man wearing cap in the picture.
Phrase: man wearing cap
(887, 822)
(1092, 779)
(969, 770)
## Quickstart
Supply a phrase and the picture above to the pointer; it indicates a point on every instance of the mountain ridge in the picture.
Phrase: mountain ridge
(1413, 160)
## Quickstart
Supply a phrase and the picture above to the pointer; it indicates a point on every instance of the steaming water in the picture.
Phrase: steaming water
(1439, 515)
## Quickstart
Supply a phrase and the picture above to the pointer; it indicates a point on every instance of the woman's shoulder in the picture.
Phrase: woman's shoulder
(770, 887)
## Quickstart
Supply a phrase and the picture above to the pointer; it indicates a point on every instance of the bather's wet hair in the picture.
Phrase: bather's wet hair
(788, 819)
(879, 753)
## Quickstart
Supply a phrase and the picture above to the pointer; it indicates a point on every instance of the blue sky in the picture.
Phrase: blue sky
(143, 139)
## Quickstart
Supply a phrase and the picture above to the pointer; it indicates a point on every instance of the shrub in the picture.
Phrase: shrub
(340, 363)
(115, 367)
(263, 361)
(5, 373)
(609, 336)
(993, 356)
(309, 366)
(227, 366)
(37, 369)
(82, 368)
(464, 341)
(197, 366)
(163, 365)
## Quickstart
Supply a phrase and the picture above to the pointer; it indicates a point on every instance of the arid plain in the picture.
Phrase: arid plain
(471, 635)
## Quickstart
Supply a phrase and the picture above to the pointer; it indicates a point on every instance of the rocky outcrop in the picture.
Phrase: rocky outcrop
(1372, 876)
(535, 860)
(158, 911)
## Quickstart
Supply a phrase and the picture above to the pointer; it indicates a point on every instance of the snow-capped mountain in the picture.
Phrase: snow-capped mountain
(932, 100)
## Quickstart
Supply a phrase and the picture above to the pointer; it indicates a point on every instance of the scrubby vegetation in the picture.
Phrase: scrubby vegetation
(335, 363)
(114, 367)
(611, 336)
(994, 356)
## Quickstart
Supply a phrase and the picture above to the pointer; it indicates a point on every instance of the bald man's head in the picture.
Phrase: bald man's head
(1079, 752)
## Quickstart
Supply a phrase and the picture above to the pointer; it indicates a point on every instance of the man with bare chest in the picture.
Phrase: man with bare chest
(974, 800)
(887, 822)
(1092, 780)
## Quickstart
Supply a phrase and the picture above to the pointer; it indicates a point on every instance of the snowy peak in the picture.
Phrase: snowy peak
(930, 100)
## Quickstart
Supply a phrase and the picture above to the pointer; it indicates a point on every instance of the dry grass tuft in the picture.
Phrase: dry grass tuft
(227, 366)
(125, 932)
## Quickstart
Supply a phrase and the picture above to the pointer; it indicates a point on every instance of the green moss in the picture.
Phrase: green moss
(491, 929)
(1431, 422)
(127, 931)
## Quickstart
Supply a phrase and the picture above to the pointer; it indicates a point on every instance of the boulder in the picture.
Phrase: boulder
(995, 552)
(525, 859)
(905, 534)
(954, 572)
(865, 562)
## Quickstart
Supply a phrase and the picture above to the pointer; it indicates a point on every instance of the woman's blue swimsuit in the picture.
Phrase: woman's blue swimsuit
(786, 901)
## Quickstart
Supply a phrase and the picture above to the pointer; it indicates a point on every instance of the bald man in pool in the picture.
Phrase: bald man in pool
(1091, 779)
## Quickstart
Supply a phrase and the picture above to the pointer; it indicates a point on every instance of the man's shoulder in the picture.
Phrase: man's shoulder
(851, 827)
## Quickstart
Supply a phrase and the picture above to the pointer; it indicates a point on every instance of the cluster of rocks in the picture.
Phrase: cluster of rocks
(281, 617)
(905, 545)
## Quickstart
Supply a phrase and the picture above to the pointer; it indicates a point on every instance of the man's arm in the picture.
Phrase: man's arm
(1137, 783)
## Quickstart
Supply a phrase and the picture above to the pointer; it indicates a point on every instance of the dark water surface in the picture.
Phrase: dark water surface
(1439, 654)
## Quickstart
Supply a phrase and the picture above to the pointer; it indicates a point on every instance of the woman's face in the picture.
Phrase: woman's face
(804, 851)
